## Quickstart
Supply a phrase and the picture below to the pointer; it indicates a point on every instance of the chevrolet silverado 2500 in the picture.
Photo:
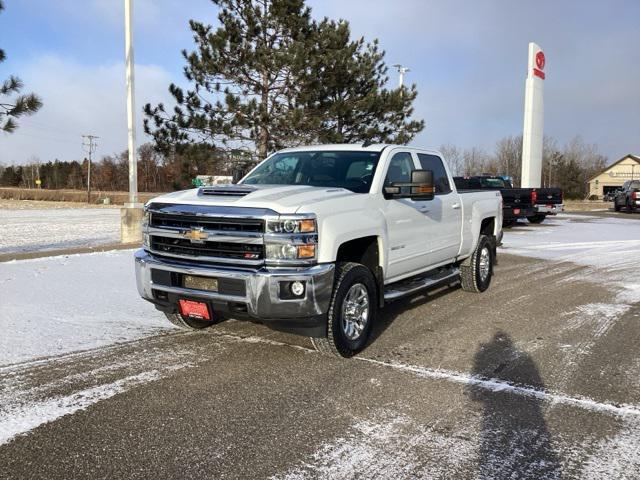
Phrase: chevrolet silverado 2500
(316, 240)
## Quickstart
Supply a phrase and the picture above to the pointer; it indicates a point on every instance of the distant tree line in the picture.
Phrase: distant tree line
(568, 167)
(157, 172)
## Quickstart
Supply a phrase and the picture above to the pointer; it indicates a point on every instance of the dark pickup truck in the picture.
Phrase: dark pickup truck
(534, 204)
(628, 197)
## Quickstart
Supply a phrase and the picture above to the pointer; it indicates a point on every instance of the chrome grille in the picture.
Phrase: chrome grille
(214, 234)
(223, 250)
(161, 220)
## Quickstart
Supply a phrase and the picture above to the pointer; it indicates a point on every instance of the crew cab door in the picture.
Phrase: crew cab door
(408, 240)
(443, 214)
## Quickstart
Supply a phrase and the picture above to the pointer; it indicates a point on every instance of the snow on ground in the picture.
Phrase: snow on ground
(609, 246)
(57, 305)
(36, 230)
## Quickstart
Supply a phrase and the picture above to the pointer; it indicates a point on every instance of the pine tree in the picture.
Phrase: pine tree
(270, 76)
(12, 108)
(346, 91)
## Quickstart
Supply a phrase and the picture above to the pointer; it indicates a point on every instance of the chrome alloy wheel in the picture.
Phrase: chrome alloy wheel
(484, 264)
(355, 311)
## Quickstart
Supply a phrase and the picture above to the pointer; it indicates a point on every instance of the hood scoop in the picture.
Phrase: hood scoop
(227, 190)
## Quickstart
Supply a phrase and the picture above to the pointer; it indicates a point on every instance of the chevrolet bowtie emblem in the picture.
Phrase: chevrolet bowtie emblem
(196, 235)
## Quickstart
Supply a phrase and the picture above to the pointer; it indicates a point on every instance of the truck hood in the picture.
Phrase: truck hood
(284, 199)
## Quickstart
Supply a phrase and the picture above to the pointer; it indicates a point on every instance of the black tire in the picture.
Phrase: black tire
(473, 277)
(539, 218)
(616, 207)
(508, 223)
(189, 323)
(348, 275)
(629, 208)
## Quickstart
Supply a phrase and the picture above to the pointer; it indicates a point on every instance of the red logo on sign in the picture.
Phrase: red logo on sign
(540, 62)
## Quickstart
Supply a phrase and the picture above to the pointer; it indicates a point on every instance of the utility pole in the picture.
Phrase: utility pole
(401, 71)
(89, 143)
(131, 108)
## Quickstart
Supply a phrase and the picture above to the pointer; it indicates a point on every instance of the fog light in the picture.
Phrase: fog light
(297, 288)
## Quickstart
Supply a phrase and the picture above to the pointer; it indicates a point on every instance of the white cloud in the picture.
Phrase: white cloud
(80, 99)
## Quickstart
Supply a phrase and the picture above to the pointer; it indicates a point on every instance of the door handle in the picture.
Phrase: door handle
(455, 206)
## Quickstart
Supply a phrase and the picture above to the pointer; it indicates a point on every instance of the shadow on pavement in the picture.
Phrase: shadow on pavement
(515, 441)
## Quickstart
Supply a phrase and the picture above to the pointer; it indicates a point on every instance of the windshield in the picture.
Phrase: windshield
(351, 170)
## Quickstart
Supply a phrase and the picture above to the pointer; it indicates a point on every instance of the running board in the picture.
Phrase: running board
(403, 288)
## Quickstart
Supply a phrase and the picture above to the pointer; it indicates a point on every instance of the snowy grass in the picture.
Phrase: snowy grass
(57, 305)
(37, 230)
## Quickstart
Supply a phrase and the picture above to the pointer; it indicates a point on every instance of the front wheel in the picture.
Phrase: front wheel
(477, 270)
(539, 218)
(352, 311)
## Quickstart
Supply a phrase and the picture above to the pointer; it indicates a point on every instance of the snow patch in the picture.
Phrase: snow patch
(389, 446)
(57, 305)
(17, 420)
(616, 457)
(497, 385)
(37, 230)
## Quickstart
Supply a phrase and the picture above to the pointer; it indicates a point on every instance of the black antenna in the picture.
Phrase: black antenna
(367, 143)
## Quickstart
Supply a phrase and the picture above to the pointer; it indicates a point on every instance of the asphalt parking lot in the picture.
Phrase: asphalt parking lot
(536, 378)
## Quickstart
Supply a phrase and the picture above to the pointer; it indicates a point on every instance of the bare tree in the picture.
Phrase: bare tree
(453, 157)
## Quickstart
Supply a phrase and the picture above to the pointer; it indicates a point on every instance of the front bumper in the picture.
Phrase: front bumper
(260, 298)
(550, 209)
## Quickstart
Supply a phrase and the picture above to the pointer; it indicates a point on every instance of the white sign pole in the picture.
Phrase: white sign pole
(533, 132)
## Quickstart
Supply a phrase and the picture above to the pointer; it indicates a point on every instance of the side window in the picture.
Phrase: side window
(400, 168)
(434, 163)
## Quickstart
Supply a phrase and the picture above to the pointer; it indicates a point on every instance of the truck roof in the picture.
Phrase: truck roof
(375, 147)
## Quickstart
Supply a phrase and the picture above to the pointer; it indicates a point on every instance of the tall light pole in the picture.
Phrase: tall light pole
(132, 213)
(131, 104)
(401, 71)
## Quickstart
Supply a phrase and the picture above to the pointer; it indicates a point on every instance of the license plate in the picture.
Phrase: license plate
(516, 211)
(200, 283)
(189, 308)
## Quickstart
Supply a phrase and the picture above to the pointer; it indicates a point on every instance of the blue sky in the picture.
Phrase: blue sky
(468, 59)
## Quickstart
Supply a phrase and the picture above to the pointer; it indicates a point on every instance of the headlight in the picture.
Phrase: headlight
(291, 238)
(288, 251)
(292, 225)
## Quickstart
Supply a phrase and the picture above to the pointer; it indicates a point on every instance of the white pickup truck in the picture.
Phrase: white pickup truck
(315, 241)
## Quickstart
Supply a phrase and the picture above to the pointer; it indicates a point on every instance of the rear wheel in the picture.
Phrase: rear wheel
(189, 323)
(630, 207)
(539, 218)
(477, 270)
(352, 311)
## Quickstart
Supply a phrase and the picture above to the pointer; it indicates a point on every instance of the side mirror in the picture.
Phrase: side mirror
(420, 188)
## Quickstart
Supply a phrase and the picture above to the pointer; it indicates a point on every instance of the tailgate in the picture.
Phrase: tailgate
(549, 196)
(518, 197)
